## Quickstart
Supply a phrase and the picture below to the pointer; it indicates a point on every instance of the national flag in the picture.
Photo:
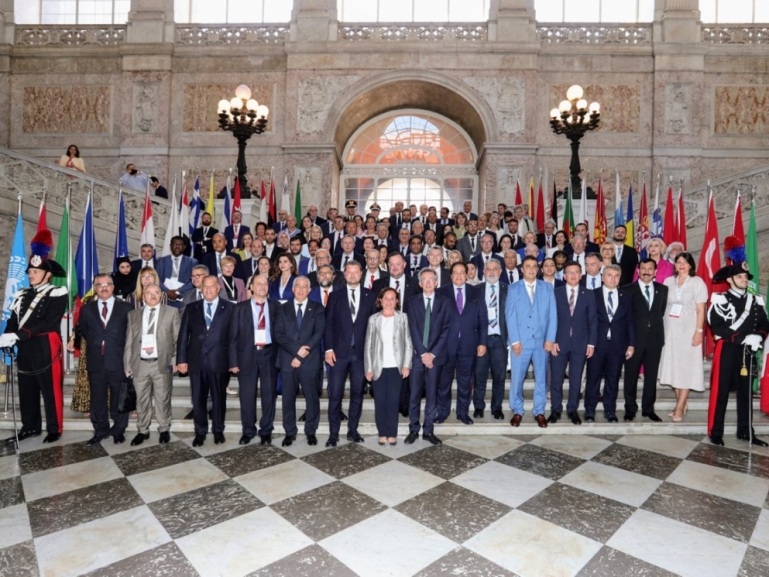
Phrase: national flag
(518, 195)
(185, 227)
(669, 232)
(681, 215)
(64, 255)
(529, 201)
(285, 198)
(540, 208)
(738, 230)
(643, 237)
(86, 257)
(271, 204)
(16, 278)
(568, 215)
(196, 205)
(148, 224)
(121, 235)
(298, 203)
(172, 229)
(236, 197)
(600, 228)
(710, 262)
(583, 205)
(42, 216)
(211, 198)
(226, 218)
(656, 228)
(263, 215)
(751, 250)
(554, 206)
(619, 214)
(630, 220)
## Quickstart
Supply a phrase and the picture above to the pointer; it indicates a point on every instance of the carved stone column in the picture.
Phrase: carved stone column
(150, 22)
(314, 21)
(6, 22)
(680, 21)
(512, 21)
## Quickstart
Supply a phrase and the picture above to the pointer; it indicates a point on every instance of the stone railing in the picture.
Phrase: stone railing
(474, 32)
(628, 34)
(736, 34)
(68, 35)
(211, 34)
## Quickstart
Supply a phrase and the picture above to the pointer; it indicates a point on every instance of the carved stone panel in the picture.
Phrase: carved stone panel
(310, 182)
(316, 96)
(66, 109)
(201, 100)
(620, 104)
(678, 104)
(507, 98)
(506, 178)
(145, 108)
(741, 110)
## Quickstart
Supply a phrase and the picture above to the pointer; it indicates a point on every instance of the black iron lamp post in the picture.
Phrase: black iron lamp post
(574, 118)
(244, 117)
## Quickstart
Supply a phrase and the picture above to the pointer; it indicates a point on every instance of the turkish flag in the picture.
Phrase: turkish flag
(710, 262)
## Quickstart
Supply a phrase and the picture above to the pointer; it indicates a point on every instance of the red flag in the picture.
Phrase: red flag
(540, 208)
(710, 262)
(236, 197)
(271, 204)
(42, 218)
(642, 234)
(530, 199)
(681, 215)
(669, 232)
(600, 230)
(518, 195)
(737, 228)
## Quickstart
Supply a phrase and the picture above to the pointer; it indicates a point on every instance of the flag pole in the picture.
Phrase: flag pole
(68, 265)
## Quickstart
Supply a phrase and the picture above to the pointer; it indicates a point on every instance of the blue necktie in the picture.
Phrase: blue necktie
(209, 315)
(299, 317)
(611, 306)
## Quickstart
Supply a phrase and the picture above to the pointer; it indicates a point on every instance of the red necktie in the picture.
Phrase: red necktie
(372, 282)
(103, 322)
(325, 297)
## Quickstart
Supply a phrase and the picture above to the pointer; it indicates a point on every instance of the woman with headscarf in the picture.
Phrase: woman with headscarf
(124, 278)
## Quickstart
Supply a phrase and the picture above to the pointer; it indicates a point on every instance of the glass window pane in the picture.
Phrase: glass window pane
(208, 12)
(431, 10)
(358, 10)
(618, 11)
(463, 11)
(549, 10)
(182, 11)
(278, 10)
(582, 11)
(121, 11)
(646, 10)
(395, 11)
(762, 12)
(243, 10)
(735, 11)
(708, 11)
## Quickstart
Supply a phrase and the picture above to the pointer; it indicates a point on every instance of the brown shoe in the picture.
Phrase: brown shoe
(516, 421)
(541, 421)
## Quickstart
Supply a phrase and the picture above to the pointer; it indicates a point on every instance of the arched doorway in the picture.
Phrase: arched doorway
(413, 156)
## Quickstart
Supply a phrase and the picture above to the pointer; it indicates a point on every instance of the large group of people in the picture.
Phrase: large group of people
(401, 307)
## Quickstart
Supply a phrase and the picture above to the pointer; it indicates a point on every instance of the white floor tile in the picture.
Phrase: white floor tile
(126, 447)
(760, 536)
(393, 483)
(489, 447)
(14, 525)
(665, 444)
(283, 481)
(581, 446)
(68, 478)
(176, 479)
(401, 449)
(509, 486)
(611, 482)
(721, 482)
(9, 467)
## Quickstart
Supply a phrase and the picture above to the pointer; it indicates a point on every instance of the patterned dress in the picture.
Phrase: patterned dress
(81, 395)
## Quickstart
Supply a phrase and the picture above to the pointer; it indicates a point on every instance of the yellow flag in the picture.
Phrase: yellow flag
(211, 197)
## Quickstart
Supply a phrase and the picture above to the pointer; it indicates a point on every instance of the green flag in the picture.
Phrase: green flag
(62, 250)
(298, 204)
(751, 251)
(568, 215)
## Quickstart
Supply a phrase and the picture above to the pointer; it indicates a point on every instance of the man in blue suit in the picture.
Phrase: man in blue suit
(299, 327)
(468, 336)
(235, 231)
(615, 344)
(429, 317)
(531, 326)
(487, 254)
(203, 351)
(575, 341)
(176, 266)
(213, 258)
(347, 313)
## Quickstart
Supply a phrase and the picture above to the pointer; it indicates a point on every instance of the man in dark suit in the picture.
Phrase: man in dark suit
(415, 259)
(626, 256)
(337, 234)
(404, 285)
(576, 251)
(429, 317)
(495, 294)
(271, 249)
(435, 260)
(374, 278)
(253, 355)
(581, 229)
(469, 245)
(203, 352)
(486, 255)
(468, 337)
(546, 239)
(347, 313)
(347, 254)
(402, 223)
(201, 237)
(176, 267)
(400, 242)
(650, 300)
(614, 345)
(467, 208)
(322, 258)
(103, 323)
(213, 258)
(299, 327)
(146, 258)
(445, 220)
(575, 341)
(312, 212)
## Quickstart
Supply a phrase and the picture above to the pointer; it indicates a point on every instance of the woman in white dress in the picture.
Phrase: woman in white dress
(682, 365)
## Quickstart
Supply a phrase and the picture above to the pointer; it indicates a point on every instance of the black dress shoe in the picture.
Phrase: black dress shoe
(355, 437)
(478, 414)
(312, 440)
(199, 440)
(756, 441)
(432, 439)
(590, 419)
(266, 439)
(575, 420)
(652, 416)
(332, 441)
(139, 439)
(51, 438)
(465, 419)
(96, 439)
(245, 440)
(303, 418)
(288, 440)
(344, 417)
(404, 414)
(554, 416)
(410, 438)
(439, 420)
(629, 416)
(189, 416)
(23, 434)
(119, 439)
(717, 441)
(498, 415)
(165, 437)
(218, 438)
(612, 419)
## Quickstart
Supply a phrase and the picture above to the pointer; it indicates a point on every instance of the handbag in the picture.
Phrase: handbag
(126, 402)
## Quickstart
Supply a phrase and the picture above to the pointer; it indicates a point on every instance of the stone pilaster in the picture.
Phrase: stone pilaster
(6, 22)
(150, 22)
(680, 21)
(314, 21)
(512, 21)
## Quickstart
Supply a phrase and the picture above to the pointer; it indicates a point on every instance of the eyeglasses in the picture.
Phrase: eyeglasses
(198, 275)
(102, 285)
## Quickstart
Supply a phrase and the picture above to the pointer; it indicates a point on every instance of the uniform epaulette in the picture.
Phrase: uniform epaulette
(760, 300)
(20, 292)
(718, 299)
(59, 291)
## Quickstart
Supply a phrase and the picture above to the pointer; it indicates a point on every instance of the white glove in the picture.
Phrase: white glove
(8, 340)
(753, 341)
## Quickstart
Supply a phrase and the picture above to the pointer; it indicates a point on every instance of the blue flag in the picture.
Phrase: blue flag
(196, 206)
(17, 279)
(86, 257)
(121, 237)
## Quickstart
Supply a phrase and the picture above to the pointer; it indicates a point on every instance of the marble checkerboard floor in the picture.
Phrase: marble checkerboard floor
(482, 506)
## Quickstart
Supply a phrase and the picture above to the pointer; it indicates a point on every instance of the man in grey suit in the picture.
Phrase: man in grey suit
(470, 244)
(199, 272)
(149, 356)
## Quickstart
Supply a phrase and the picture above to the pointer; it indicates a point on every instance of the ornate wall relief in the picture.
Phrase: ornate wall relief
(678, 103)
(507, 98)
(310, 181)
(201, 100)
(620, 104)
(66, 109)
(506, 179)
(145, 108)
(316, 97)
(741, 110)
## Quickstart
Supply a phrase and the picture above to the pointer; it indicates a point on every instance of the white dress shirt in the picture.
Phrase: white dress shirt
(145, 326)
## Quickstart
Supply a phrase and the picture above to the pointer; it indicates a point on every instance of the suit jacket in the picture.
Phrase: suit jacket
(138, 264)
(316, 293)
(472, 324)
(628, 264)
(542, 240)
(246, 269)
(113, 336)
(340, 329)
(242, 335)
(379, 284)
(210, 261)
(502, 301)
(291, 338)
(480, 262)
(505, 278)
(202, 242)
(165, 267)
(403, 350)
(576, 331)
(649, 323)
(189, 297)
(201, 347)
(395, 246)
(529, 324)
(444, 277)
(423, 262)
(278, 226)
(440, 322)
(589, 248)
(168, 323)
(622, 324)
(338, 259)
(240, 290)
(288, 293)
(465, 247)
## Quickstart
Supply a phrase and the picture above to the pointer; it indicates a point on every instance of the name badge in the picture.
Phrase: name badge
(492, 313)
(148, 343)
(675, 310)
(260, 337)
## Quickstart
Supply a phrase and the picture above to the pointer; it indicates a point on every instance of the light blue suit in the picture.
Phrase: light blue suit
(530, 325)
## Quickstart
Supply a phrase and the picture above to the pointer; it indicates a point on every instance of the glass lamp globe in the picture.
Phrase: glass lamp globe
(595, 107)
(554, 113)
(564, 106)
(574, 92)
(224, 105)
(252, 104)
(262, 111)
(243, 92)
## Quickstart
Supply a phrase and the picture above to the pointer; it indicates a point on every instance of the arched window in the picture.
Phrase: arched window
(412, 156)
(413, 10)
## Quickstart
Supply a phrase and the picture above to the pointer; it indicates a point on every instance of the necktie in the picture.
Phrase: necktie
(428, 316)
(175, 273)
(151, 329)
(403, 250)
(352, 314)
(548, 242)
(262, 323)
(235, 230)
(325, 297)
(487, 258)
(299, 317)
(460, 301)
(531, 293)
(619, 254)
(371, 282)
(511, 277)
(205, 231)
(219, 262)
(493, 304)
(311, 265)
(209, 314)
(472, 242)
(572, 301)
(346, 258)
(414, 265)
(648, 297)
(611, 305)
(592, 280)
(200, 296)
(104, 313)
